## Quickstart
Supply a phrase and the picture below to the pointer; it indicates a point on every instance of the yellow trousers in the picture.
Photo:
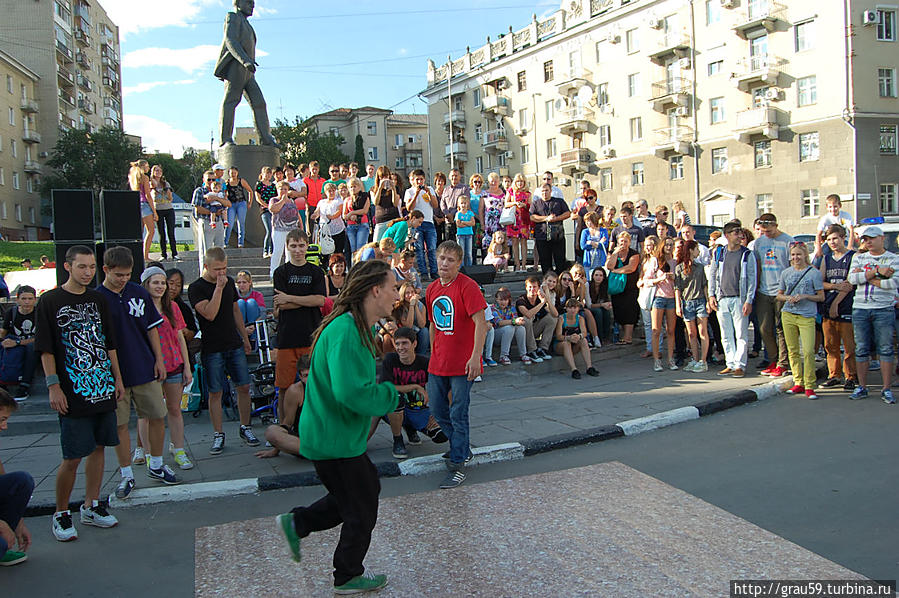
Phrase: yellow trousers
(799, 333)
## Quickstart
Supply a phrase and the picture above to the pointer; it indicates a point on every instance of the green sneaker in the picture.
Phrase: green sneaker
(367, 582)
(286, 527)
(12, 557)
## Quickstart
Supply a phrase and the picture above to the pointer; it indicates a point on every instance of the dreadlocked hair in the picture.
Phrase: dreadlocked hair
(352, 296)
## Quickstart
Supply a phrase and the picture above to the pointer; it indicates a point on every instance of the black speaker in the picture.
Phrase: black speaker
(61, 248)
(120, 215)
(73, 215)
(480, 274)
(137, 252)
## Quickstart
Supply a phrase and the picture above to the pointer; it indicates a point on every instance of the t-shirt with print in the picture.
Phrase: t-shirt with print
(295, 326)
(266, 192)
(464, 217)
(423, 202)
(801, 282)
(78, 332)
(133, 315)
(835, 272)
(18, 325)
(774, 257)
(401, 374)
(451, 308)
(219, 334)
(286, 218)
(169, 340)
(844, 219)
(526, 303)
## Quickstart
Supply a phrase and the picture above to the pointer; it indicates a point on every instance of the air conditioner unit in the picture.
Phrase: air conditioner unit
(521, 132)
(613, 37)
(682, 111)
(398, 147)
(503, 84)
(607, 151)
(44, 155)
(565, 181)
(655, 23)
(772, 94)
(727, 3)
(869, 17)
(560, 103)
(607, 109)
(685, 64)
(509, 155)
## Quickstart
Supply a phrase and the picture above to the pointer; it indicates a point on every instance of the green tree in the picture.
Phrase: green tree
(97, 160)
(301, 142)
(359, 156)
(197, 162)
(176, 172)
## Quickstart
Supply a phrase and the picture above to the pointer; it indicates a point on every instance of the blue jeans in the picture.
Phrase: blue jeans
(237, 214)
(453, 419)
(357, 236)
(217, 365)
(251, 312)
(268, 245)
(426, 240)
(467, 243)
(15, 492)
(873, 329)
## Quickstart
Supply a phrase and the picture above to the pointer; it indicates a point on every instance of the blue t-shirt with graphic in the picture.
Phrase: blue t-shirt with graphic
(133, 315)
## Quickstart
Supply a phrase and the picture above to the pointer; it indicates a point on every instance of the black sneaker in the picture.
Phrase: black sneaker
(762, 365)
(452, 479)
(414, 438)
(437, 436)
(399, 449)
(830, 383)
(21, 393)
(849, 384)
(544, 355)
(126, 486)
(164, 474)
(218, 444)
(575, 374)
(591, 371)
(468, 459)
(246, 434)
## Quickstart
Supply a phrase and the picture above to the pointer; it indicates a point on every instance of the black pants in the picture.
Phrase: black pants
(552, 255)
(167, 220)
(340, 246)
(352, 500)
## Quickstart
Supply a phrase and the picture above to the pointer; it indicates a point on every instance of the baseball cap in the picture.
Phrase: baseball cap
(872, 231)
(219, 166)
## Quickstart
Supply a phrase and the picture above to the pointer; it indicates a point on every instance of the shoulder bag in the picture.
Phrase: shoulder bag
(617, 280)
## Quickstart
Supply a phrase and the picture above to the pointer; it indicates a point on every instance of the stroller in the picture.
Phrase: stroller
(263, 392)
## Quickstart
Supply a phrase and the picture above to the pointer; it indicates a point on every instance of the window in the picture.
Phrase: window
(457, 102)
(716, 109)
(550, 110)
(31, 215)
(551, 148)
(373, 153)
(805, 36)
(478, 131)
(522, 81)
(810, 203)
(637, 173)
(547, 71)
(715, 67)
(808, 146)
(501, 159)
(9, 83)
(399, 162)
(372, 127)
(888, 194)
(676, 168)
(335, 131)
(476, 97)
(808, 90)
(2, 176)
(525, 154)
(719, 160)
(398, 139)
(764, 204)
(602, 93)
(29, 186)
(14, 147)
(886, 25)
(712, 12)
(479, 164)
(632, 41)
(888, 140)
(633, 85)
(3, 213)
(762, 151)
(18, 212)
(886, 83)
(24, 92)
(12, 117)
(597, 51)
(523, 118)
(605, 135)
(758, 97)
(605, 179)
(636, 129)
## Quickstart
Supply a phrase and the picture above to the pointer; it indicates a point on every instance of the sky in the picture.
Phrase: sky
(363, 53)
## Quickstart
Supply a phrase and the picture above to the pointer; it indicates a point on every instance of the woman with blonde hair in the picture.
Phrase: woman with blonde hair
(800, 287)
(492, 201)
(680, 215)
(161, 194)
(386, 199)
(624, 261)
(140, 182)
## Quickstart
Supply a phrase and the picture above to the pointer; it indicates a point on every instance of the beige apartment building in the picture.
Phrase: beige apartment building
(734, 107)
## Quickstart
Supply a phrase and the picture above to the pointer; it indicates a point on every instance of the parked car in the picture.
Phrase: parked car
(809, 241)
(890, 234)
(704, 231)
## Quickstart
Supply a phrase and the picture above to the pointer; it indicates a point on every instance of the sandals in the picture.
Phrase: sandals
(623, 342)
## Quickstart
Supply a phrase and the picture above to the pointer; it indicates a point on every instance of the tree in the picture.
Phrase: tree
(197, 162)
(301, 142)
(359, 156)
(97, 160)
(176, 172)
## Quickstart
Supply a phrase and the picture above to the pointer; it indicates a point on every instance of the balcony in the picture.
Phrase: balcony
(29, 106)
(758, 14)
(112, 84)
(82, 59)
(32, 167)
(112, 122)
(575, 160)
(85, 106)
(67, 98)
(671, 92)
(497, 105)
(675, 43)
(64, 51)
(31, 136)
(459, 151)
(762, 121)
(764, 68)
(456, 117)
(65, 123)
(672, 140)
(85, 83)
(572, 80)
(64, 76)
(495, 141)
(110, 61)
(114, 105)
(576, 119)
(82, 37)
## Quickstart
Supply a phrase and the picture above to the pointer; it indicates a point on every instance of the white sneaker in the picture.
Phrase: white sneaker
(690, 367)
(700, 367)
(478, 379)
(63, 527)
(97, 516)
(139, 458)
(657, 365)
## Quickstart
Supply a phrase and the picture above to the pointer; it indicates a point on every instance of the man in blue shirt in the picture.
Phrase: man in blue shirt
(205, 235)
(135, 320)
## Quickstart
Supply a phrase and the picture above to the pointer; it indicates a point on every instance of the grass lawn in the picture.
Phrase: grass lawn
(13, 252)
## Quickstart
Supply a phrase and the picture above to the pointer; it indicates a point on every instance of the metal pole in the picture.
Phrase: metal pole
(449, 101)
(696, 202)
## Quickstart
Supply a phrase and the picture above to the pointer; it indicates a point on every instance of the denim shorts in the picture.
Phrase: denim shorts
(694, 308)
(145, 209)
(80, 436)
(216, 365)
(873, 330)
(174, 378)
(663, 303)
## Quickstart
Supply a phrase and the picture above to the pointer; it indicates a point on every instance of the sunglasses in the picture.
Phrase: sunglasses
(767, 222)
(796, 244)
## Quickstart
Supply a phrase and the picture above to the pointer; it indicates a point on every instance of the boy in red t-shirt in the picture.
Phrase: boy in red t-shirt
(458, 329)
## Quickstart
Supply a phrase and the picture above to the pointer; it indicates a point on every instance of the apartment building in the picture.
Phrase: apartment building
(734, 107)
(407, 149)
(20, 144)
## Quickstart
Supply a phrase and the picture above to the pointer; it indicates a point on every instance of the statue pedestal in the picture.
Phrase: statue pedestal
(250, 159)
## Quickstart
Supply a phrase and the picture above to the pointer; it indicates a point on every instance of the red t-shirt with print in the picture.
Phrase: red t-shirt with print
(451, 308)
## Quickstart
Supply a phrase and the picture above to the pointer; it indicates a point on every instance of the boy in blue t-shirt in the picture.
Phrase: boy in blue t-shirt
(465, 228)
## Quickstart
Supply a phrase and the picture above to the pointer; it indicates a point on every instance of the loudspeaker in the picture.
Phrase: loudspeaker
(61, 248)
(73, 215)
(120, 215)
(137, 252)
(480, 274)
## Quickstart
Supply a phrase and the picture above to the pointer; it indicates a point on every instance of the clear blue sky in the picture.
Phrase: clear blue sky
(313, 58)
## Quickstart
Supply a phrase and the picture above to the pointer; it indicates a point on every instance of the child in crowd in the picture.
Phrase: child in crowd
(498, 251)
(659, 273)
(567, 288)
(571, 338)
(519, 197)
(382, 250)
(465, 222)
(594, 241)
(834, 215)
(507, 323)
(409, 312)
(600, 303)
(250, 302)
(691, 295)
(404, 268)
(214, 204)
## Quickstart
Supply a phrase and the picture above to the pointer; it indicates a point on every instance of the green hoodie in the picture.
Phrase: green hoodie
(399, 232)
(341, 395)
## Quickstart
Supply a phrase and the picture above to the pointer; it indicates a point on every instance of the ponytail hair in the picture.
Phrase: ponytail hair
(136, 173)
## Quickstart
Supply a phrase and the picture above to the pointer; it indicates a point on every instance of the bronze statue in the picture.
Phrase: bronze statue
(236, 66)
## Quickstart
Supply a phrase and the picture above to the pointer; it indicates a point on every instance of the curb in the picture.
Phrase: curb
(434, 463)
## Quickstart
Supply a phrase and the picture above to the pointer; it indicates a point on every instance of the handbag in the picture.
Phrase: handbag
(617, 280)
(646, 297)
(507, 216)
(325, 242)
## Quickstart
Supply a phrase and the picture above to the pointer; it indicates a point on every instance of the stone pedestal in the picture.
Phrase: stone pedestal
(249, 159)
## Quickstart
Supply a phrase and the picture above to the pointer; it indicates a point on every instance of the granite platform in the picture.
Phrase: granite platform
(601, 530)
